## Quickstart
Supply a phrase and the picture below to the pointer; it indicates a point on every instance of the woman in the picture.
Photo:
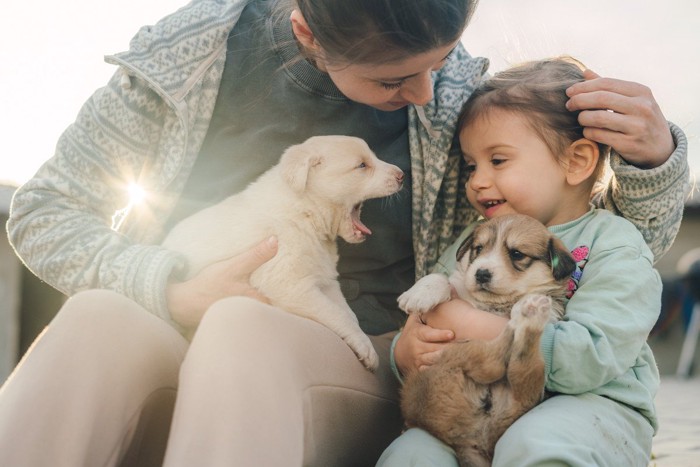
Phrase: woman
(202, 103)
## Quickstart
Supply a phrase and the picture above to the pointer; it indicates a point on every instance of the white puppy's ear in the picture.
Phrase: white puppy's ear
(296, 163)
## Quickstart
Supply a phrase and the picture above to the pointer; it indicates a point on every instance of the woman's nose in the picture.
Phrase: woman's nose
(419, 89)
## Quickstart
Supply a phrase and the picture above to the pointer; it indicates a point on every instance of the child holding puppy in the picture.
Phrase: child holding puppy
(526, 152)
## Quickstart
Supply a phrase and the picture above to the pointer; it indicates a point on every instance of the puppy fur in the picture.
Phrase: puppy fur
(512, 266)
(311, 197)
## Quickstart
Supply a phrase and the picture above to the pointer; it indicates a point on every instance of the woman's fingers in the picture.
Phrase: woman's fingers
(623, 115)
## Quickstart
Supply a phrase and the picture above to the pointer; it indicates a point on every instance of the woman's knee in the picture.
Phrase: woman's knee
(231, 311)
(104, 329)
(101, 309)
(245, 322)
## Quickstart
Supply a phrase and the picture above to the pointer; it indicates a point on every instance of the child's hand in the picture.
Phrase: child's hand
(189, 300)
(419, 345)
(623, 115)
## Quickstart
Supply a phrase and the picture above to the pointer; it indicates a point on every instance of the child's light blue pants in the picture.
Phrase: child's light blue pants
(583, 430)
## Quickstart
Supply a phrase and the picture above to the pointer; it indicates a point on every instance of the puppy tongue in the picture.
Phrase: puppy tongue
(357, 223)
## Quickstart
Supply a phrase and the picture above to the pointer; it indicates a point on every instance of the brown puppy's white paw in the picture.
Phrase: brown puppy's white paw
(425, 294)
(533, 310)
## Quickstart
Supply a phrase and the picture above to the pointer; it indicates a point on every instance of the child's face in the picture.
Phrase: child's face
(513, 170)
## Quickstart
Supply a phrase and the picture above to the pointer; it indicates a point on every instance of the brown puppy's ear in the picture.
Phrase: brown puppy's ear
(561, 261)
(295, 164)
(465, 246)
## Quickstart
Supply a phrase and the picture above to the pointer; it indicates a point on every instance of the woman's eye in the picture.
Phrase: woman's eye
(391, 86)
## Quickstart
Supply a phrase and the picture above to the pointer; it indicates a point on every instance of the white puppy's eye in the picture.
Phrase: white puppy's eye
(362, 165)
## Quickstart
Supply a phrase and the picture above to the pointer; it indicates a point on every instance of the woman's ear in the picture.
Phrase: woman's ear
(304, 35)
(582, 160)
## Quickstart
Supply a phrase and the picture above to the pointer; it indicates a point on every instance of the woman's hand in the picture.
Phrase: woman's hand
(188, 300)
(623, 115)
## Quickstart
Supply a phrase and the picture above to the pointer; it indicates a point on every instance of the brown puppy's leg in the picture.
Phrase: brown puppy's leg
(447, 389)
(485, 364)
(526, 366)
(482, 361)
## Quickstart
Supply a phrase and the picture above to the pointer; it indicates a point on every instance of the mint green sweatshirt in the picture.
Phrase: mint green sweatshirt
(601, 344)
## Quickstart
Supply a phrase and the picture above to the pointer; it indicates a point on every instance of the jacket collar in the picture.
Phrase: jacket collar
(173, 54)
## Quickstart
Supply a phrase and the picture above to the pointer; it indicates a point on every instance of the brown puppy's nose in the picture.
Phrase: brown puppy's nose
(483, 276)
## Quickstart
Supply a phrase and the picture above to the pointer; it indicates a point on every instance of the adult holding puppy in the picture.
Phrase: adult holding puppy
(203, 102)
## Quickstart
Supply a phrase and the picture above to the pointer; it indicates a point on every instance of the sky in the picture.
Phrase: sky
(52, 56)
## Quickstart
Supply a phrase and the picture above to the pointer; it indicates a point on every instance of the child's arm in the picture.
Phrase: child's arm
(607, 321)
(467, 322)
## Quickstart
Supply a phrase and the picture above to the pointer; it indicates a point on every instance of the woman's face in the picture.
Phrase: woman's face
(392, 85)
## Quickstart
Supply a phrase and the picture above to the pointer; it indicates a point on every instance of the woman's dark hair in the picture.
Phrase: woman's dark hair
(537, 91)
(376, 31)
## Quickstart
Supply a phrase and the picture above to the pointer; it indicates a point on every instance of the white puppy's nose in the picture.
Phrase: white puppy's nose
(400, 176)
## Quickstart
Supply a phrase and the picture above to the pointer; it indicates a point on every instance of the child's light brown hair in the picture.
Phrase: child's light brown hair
(537, 91)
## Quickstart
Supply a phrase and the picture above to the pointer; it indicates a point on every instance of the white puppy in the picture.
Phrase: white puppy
(311, 197)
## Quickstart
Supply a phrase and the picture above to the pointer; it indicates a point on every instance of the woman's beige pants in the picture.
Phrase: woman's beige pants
(257, 387)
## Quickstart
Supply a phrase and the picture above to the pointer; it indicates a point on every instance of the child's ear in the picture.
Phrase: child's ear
(582, 160)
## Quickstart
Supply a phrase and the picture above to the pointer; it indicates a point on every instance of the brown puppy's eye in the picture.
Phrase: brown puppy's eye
(516, 255)
(475, 251)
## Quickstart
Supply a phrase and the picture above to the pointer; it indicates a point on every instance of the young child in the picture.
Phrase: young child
(526, 153)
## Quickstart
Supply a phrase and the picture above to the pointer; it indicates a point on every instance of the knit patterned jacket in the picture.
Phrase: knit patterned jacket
(76, 227)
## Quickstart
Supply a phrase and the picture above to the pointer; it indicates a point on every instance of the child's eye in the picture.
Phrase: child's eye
(391, 86)
(470, 169)
(497, 160)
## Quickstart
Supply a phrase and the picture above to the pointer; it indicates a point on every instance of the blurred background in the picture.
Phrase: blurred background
(52, 62)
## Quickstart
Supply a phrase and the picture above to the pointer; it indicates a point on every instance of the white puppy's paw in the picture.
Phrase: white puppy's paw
(533, 310)
(425, 294)
(363, 348)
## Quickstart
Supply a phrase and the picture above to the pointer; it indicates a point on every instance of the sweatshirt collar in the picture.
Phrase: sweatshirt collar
(300, 70)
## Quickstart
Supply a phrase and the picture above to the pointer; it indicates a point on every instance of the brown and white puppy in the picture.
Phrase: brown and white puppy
(512, 266)
(311, 197)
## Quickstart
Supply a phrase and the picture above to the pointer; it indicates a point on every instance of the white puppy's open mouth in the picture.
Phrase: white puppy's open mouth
(359, 230)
